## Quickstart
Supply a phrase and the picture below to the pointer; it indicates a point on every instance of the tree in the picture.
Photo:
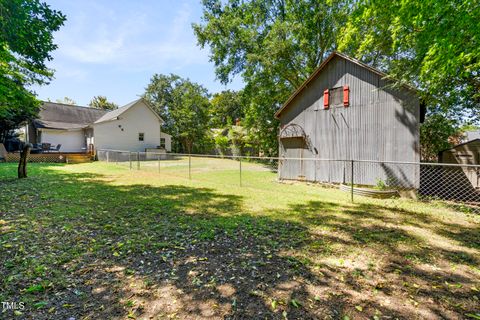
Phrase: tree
(227, 106)
(66, 100)
(274, 45)
(434, 44)
(26, 41)
(438, 133)
(101, 102)
(184, 106)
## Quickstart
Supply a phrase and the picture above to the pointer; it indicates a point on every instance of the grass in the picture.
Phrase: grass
(100, 241)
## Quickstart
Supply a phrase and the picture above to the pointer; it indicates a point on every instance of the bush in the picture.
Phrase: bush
(222, 144)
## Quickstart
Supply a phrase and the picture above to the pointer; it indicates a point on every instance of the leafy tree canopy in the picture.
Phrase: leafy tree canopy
(26, 41)
(438, 133)
(184, 106)
(101, 102)
(274, 45)
(434, 44)
(227, 106)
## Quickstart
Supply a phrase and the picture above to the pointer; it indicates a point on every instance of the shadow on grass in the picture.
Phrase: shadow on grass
(75, 245)
(433, 258)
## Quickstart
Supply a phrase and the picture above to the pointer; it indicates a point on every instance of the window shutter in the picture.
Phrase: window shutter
(346, 98)
(325, 99)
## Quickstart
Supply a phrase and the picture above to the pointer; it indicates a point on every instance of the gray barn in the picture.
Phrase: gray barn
(347, 110)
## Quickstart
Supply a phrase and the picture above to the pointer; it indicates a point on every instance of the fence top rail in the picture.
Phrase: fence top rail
(113, 150)
(302, 159)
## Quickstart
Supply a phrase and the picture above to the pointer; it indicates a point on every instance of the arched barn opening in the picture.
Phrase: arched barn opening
(293, 142)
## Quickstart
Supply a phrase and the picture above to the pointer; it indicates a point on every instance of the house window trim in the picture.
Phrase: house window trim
(141, 136)
(163, 144)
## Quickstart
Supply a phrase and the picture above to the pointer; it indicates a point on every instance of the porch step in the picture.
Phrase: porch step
(78, 158)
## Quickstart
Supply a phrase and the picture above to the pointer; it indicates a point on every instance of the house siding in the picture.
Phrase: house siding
(380, 124)
(168, 141)
(71, 141)
(137, 119)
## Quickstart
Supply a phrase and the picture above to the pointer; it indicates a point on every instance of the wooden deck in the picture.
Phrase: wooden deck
(52, 157)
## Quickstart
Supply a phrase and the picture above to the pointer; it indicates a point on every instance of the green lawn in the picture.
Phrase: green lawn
(100, 241)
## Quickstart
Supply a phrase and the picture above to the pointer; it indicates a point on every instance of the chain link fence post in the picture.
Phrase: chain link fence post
(240, 158)
(159, 155)
(108, 156)
(351, 182)
(189, 166)
(138, 160)
(130, 159)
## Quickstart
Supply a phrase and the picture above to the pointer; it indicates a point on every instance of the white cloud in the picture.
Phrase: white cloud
(137, 41)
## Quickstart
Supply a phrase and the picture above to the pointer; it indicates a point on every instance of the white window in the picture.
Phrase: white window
(141, 136)
(162, 143)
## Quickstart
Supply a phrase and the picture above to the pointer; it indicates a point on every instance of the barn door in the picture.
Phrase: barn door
(292, 169)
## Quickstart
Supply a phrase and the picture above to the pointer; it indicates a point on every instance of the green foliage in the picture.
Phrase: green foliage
(381, 184)
(222, 143)
(434, 44)
(101, 102)
(239, 140)
(437, 133)
(226, 107)
(274, 46)
(469, 127)
(234, 140)
(184, 106)
(26, 41)
(66, 100)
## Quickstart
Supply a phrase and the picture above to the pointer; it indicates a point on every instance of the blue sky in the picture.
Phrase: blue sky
(112, 48)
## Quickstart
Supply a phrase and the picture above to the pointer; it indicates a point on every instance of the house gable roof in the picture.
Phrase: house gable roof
(114, 114)
(319, 70)
(66, 117)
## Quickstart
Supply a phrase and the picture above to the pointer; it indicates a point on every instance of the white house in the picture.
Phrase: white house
(133, 127)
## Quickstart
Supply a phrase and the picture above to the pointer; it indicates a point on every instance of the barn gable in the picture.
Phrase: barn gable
(376, 123)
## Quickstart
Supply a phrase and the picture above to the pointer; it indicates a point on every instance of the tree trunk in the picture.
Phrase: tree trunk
(22, 164)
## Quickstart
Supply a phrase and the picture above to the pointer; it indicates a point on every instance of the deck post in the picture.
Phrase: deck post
(351, 182)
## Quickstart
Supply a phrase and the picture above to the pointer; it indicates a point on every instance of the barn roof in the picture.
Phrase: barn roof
(320, 68)
(66, 117)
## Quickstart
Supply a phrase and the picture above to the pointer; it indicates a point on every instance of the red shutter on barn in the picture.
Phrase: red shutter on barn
(325, 99)
(346, 98)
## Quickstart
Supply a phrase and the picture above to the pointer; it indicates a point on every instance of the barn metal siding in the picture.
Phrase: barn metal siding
(380, 124)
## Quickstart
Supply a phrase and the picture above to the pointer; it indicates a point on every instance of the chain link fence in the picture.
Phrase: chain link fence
(454, 184)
